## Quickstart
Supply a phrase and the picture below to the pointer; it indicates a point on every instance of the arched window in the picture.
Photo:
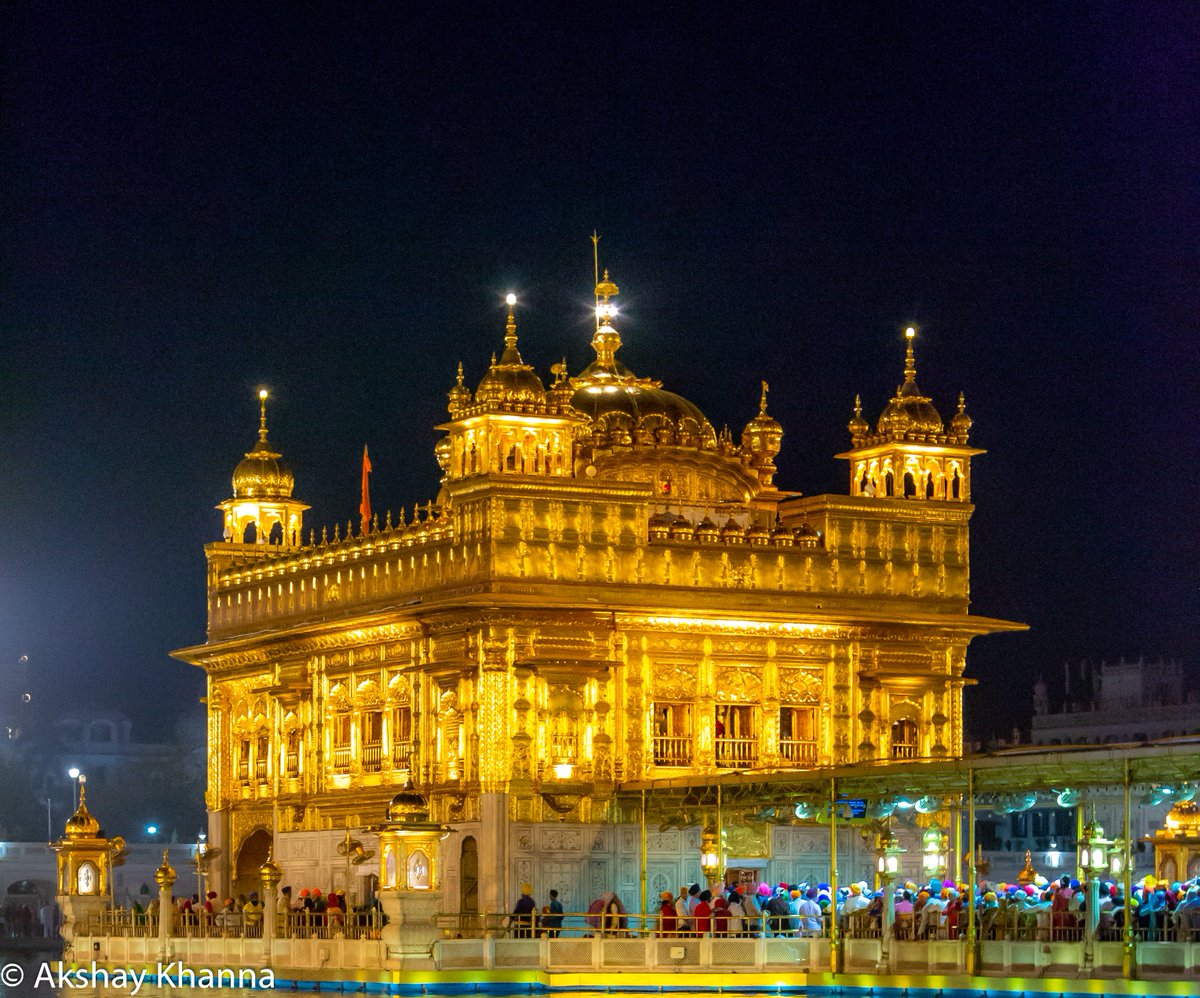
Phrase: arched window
(904, 739)
(276, 535)
(956, 485)
(250, 534)
(910, 485)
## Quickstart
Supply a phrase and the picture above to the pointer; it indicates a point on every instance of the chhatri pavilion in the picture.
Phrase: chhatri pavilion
(606, 591)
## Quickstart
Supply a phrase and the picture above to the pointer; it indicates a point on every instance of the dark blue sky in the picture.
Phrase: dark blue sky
(331, 201)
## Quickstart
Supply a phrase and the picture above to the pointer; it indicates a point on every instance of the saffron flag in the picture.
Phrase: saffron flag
(364, 507)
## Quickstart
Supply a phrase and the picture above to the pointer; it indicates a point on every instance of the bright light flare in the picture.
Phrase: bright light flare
(511, 299)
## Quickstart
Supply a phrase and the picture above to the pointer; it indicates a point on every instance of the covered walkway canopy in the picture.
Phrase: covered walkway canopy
(1101, 773)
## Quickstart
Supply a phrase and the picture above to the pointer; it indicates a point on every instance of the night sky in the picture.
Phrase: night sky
(332, 200)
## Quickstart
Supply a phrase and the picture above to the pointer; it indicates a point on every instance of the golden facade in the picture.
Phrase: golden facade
(606, 589)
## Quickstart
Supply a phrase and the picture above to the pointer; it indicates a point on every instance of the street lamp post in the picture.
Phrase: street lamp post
(1095, 857)
(887, 867)
(76, 778)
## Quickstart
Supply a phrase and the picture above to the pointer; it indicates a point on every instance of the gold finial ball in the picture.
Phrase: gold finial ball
(164, 876)
(910, 332)
(262, 394)
(511, 299)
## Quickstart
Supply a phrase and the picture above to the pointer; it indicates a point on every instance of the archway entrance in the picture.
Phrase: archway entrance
(250, 858)
(468, 877)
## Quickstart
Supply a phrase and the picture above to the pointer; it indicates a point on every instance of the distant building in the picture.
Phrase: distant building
(1113, 702)
(1101, 703)
(138, 783)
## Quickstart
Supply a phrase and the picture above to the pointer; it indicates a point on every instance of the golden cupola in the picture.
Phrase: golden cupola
(912, 454)
(262, 510)
(910, 415)
(960, 423)
(82, 824)
(511, 382)
(858, 427)
(513, 425)
(261, 474)
(459, 396)
(761, 442)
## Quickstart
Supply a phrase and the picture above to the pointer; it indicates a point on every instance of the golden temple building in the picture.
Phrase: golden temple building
(605, 590)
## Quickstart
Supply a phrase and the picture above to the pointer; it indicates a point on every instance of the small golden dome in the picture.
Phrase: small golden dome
(858, 426)
(408, 804)
(1184, 819)
(909, 413)
(961, 423)
(459, 395)
(511, 381)
(261, 474)
(763, 434)
(81, 825)
(270, 871)
(164, 876)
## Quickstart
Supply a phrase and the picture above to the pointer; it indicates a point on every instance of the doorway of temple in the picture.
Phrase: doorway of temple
(468, 877)
(250, 858)
(744, 876)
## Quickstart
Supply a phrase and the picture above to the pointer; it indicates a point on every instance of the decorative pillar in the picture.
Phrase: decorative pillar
(974, 949)
(271, 875)
(164, 876)
(835, 945)
(1129, 950)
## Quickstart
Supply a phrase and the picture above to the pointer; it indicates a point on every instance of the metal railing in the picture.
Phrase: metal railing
(372, 757)
(798, 753)
(737, 753)
(341, 758)
(671, 750)
(124, 922)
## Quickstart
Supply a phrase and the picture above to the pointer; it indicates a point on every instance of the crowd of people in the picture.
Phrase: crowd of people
(1053, 910)
(313, 910)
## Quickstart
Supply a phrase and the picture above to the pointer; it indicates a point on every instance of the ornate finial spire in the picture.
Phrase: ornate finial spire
(910, 361)
(262, 415)
(762, 402)
(460, 373)
(510, 328)
(596, 272)
(858, 406)
(962, 403)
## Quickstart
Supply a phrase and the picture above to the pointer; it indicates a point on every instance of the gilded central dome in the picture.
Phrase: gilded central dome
(633, 410)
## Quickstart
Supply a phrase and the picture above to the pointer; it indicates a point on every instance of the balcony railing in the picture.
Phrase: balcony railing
(798, 753)
(372, 757)
(737, 753)
(341, 758)
(670, 750)
(904, 750)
